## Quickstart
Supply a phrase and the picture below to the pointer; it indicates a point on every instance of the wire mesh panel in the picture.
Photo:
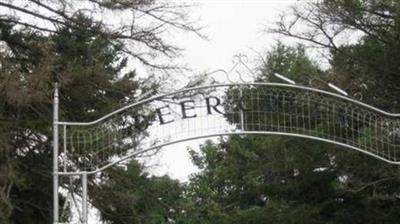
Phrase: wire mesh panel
(325, 116)
(268, 108)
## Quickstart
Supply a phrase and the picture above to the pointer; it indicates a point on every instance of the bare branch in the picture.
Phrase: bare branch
(371, 184)
(322, 24)
(27, 25)
(142, 36)
(37, 15)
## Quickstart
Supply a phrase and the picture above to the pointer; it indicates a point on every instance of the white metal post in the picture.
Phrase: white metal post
(55, 155)
(84, 199)
(241, 109)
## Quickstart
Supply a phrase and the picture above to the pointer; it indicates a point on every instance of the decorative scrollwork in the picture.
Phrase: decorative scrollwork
(236, 74)
(242, 58)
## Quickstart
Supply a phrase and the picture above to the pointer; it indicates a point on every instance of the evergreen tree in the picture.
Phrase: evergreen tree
(131, 196)
(253, 179)
(269, 179)
(88, 69)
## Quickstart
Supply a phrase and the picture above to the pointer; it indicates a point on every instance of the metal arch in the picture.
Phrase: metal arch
(382, 142)
(160, 96)
(384, 124)
(227, 134)
(307, 111)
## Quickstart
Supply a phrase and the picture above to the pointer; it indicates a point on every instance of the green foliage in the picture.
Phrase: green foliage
(370, 69)
(93, 79)
(131, 196)
(251, 174)
(258, 179)
(292, 62)
(270, 179)
(361, 38)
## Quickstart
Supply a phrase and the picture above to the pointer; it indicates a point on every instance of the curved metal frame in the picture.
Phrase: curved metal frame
(225, 134)
(160, 96)
(144, 101)
(84, 174)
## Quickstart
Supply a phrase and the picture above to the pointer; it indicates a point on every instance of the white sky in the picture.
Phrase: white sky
(232, 26)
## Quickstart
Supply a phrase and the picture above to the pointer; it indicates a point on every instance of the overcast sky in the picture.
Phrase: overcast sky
(232, 26)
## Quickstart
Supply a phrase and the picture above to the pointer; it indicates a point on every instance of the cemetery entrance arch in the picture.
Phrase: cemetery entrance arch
(219, 109)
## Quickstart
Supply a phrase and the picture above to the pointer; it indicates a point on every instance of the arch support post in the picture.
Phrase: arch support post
(55, 155)
(84, 199)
